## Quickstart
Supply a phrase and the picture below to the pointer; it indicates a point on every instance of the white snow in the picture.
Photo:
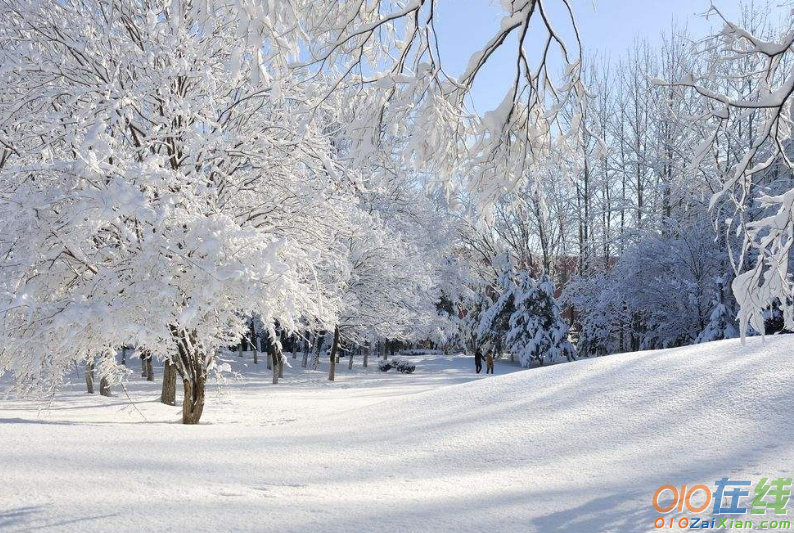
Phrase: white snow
(577, 447)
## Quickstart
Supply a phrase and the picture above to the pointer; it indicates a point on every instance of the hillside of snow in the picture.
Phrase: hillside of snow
(575, 447)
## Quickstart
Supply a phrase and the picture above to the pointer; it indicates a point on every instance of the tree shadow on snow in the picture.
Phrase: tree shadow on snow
(29, 518)
(616, 512)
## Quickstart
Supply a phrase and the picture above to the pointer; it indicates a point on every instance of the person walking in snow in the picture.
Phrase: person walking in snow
(478, 361)
(489, 362)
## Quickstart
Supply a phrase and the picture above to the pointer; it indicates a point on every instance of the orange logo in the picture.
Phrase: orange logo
(681, 498)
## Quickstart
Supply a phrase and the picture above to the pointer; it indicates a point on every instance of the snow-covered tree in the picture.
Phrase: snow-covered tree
(523, 318)
(386, 291)
(602, 317)
(759, 91)
(500, 304)
(658, 294)
(721, 322)
(473, 307)
(155, 188)
(391, 46)
(538, 334)
(495, 322)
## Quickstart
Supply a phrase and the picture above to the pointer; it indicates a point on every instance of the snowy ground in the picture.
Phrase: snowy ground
(572, 448)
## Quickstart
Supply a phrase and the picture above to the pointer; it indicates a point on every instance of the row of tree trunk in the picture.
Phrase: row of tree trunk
(191, 364)
(104, 381)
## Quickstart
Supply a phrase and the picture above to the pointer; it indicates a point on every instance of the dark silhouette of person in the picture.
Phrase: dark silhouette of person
(478, 361)
(489, 362)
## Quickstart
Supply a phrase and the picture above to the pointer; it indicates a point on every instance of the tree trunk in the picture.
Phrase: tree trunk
(124, 355)
(104, 386)
(334, 351)
(191, 363)
(257, 349)
(350, 361)
(306, 345)
(274, 360)
(254, 341)
(89, 376)
(149, 368)
(366, 356)
(193, 404)
(240, 350)
(168, 395)
(320, 344)
(294, 346)
(280, 365)
(143, 364)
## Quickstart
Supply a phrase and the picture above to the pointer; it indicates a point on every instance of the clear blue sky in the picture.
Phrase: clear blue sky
(608, 27)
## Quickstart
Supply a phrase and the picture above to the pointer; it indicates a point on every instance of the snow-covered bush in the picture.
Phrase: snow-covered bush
(400, 365)
(404, 367)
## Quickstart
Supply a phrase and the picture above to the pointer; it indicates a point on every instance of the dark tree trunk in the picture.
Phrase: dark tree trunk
(350, 360)
(193, 405)
(366, 355)
(278, 359)
(143, 364)
(306, 345)
(89, 376)
(191, 363)
(274, 361)
(104, 386)
(320, 344)
(149, 367)
(254, 341)
(334, 353)
(168, 395)
(124, 355)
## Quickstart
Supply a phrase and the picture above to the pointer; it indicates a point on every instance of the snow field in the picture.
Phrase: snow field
(575, 447)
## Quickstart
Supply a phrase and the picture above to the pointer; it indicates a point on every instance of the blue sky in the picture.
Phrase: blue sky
(608, 27)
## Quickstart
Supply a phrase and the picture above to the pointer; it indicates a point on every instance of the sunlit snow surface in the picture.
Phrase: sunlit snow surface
(572, 448)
